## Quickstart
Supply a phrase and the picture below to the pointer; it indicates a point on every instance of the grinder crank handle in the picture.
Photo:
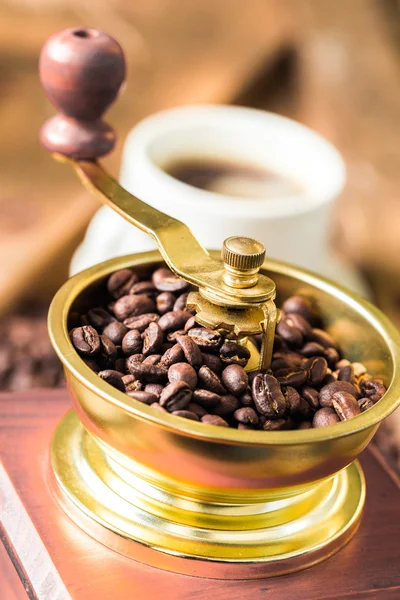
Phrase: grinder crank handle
(81, 71)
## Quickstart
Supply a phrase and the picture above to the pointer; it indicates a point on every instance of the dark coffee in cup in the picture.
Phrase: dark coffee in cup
(232, 179)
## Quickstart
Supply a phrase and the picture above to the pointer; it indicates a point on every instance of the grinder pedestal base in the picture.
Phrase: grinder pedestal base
(176, 533)
(56, 559)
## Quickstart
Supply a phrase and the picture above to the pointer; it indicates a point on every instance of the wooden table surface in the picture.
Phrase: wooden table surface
(57, 560)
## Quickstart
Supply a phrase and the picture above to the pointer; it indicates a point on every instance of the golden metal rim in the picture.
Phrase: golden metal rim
(327, 521)
(57, 323)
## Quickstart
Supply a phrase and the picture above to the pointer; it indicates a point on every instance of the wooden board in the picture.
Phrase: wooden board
(61, 561)
(11, 587)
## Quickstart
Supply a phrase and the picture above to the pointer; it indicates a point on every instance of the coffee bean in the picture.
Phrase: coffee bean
(158, 407)
(300, 323)
(190, 350)
(289, 332)
(165, 302)
(172, 356)
(172, 335)
(166, 281)
(83, 320)
(325, 416)
(206, 398)
(235, 379)
(311, 396)
(110, 306)
(190, 323)
(198, 410)
(311, 349)
(227, 405)
(210, 381)
(99, 318)
(293, 400)
(133, 306)
(268, 397)
(280, 363)
(143, 287)
(144, 397)
(127, 379)
(212, 362)
(275, 425)
(154, 388)
(183, 372)
(316, 370)
(206, 339)
(329, 378)
(323, 338)
(133, 386)
(345, 405)
(293, 358)
(114, 378)
(152, 359)
(120, 282)
(141, 322)
(180, 303)
(374, 389)
(304, 425)
(186, 414)
(246, 415)
(365, 404)
(359, 369)
(132, 343)
(214, 420)
(86, 340)
(299, 305)
(326, 393)
(171, 321)
(147, 373)
(279, 343)
(108, 352)
(246, 426)
(332, 357)
(232, 353)
(343, 363)
(152, 339)
(305, 411)
(294, 377)
(246, 399)
(176, 396)
(139, 358)
(115, 331)
(120, 364)
(346, 374)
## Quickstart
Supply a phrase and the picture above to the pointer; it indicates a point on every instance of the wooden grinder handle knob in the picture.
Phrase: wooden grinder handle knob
(81, 70)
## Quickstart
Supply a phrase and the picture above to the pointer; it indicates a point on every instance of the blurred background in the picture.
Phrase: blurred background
(334, 66)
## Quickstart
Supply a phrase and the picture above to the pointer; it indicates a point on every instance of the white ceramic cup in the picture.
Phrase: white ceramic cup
(293, 228)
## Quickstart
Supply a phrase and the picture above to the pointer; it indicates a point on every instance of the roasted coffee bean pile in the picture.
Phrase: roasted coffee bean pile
(144, 342)
(27, 359)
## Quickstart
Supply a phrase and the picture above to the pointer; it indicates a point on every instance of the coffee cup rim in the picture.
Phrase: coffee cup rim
(156, 186)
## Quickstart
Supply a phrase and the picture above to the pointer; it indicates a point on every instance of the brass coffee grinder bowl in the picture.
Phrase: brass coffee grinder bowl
(243, 503)
(177, 494)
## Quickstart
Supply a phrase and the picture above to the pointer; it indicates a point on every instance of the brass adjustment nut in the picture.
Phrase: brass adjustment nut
(242, 256)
